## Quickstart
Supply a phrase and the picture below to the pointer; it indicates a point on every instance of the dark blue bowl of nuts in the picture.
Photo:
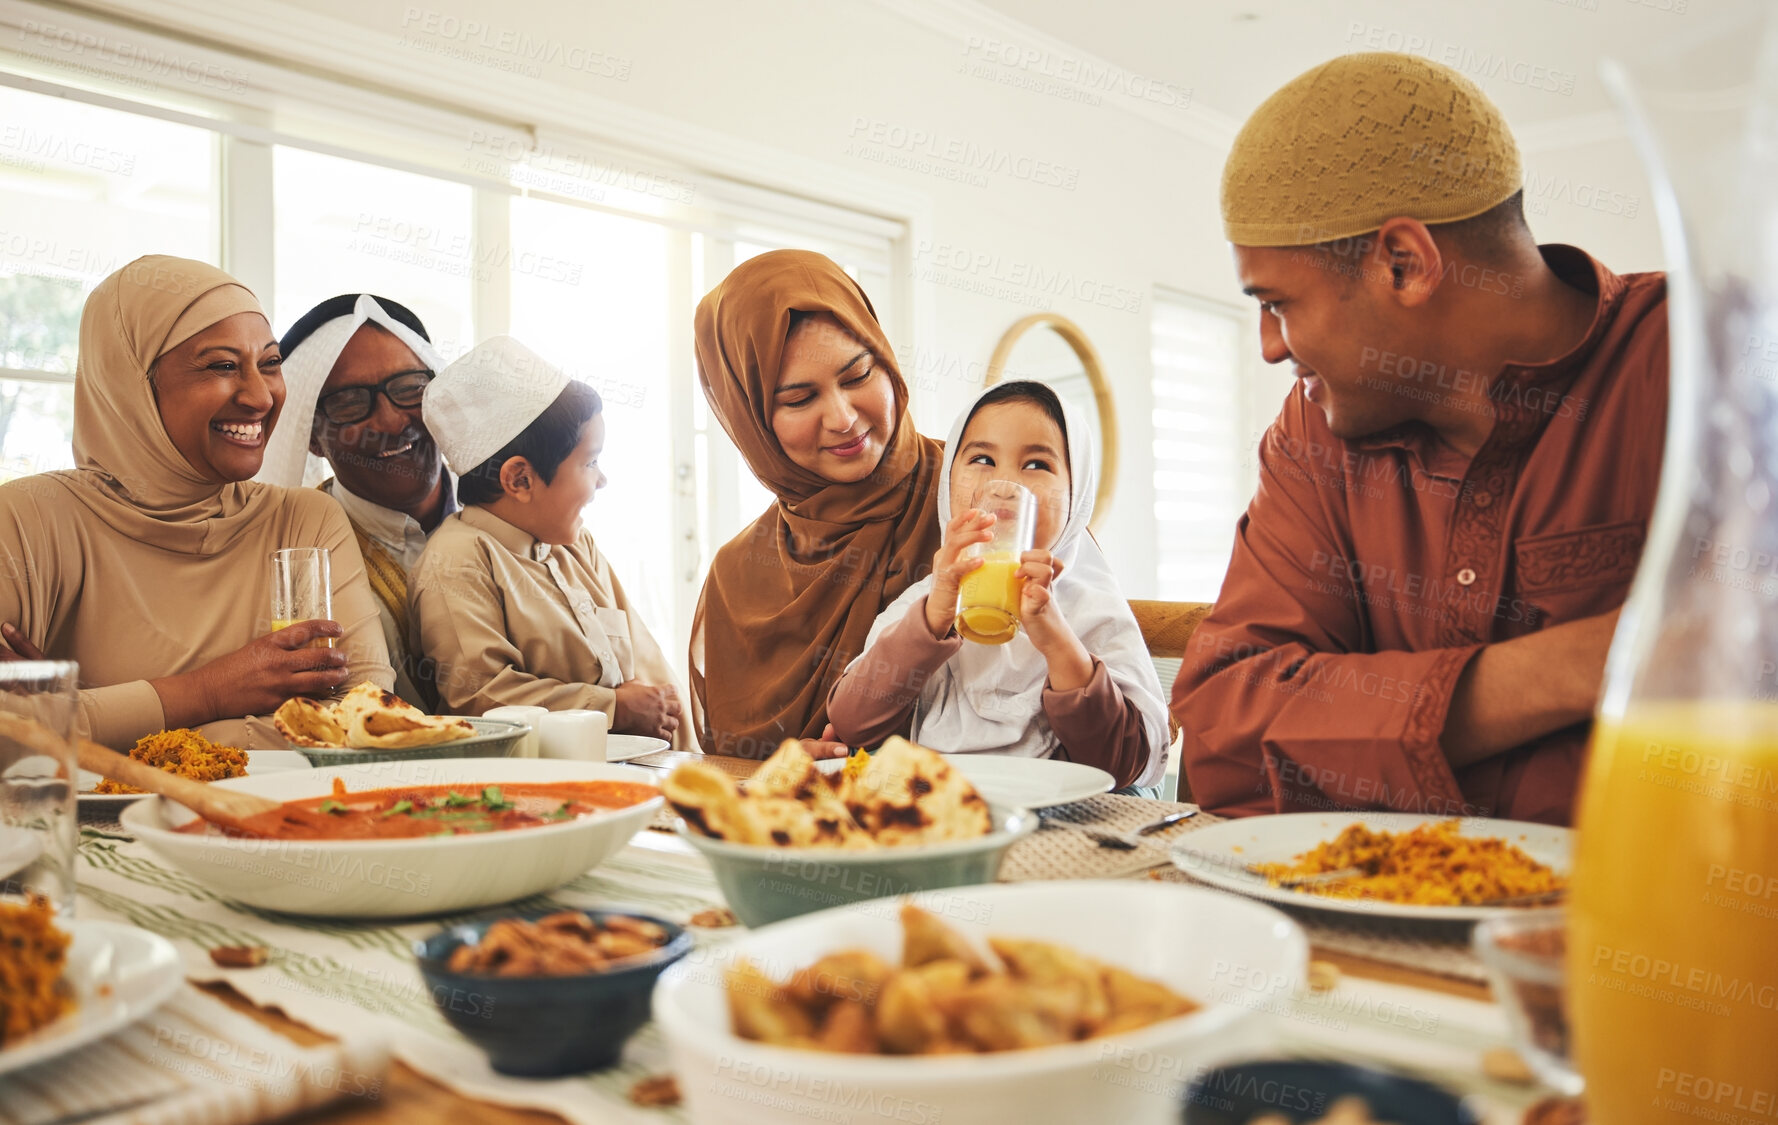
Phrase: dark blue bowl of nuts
(548, 993)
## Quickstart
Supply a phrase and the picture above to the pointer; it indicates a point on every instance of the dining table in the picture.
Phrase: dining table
(1411, 1001)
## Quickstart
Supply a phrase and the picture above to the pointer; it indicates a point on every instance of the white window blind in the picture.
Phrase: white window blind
(1199, 479)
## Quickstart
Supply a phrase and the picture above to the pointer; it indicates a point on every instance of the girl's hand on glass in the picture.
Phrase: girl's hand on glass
(949, 565)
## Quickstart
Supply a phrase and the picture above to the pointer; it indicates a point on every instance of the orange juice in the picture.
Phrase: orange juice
(285, 623)
(1673, 920)
(988, 601)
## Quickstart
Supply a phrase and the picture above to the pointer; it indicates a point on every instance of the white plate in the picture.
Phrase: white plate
(1035, 783)
(258, 762)
(1240, 959)
(119, 974)
(19, 848)
(623, 747)
(1030, 783)
(397, 878)
(1219, 855)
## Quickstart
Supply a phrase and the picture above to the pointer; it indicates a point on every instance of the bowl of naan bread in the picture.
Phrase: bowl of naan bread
(792, 839)
(368, 724)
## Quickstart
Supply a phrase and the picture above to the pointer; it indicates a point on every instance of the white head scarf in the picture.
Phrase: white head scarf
(989, 698)
(288, 461)
(487, 398)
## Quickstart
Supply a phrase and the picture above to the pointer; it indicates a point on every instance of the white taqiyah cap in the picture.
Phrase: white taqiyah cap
(487, 398)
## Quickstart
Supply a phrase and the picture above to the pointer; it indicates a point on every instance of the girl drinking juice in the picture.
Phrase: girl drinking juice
(1071, 677)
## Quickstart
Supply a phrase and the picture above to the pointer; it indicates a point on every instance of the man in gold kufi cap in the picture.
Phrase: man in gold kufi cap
(1453, 498)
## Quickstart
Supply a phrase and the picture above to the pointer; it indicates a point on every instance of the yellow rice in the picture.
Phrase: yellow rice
(1430, 865)
(185, 753)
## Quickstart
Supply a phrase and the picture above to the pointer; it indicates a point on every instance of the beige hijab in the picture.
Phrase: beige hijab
(788, 603)
(156, 571)
(129, 472)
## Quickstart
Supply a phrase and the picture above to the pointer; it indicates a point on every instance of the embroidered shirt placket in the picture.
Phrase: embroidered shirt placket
(581, 604)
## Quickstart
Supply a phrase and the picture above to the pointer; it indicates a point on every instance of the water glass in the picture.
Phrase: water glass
(302, 589)
(39, 778)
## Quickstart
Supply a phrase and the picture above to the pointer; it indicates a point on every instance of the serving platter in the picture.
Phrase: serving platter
(119, 973)
(493, 738)
(1220, 854)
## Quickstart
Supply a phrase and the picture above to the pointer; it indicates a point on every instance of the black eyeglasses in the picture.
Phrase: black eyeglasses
(355, 404)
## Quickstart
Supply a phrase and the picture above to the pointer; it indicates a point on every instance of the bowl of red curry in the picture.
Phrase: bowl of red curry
(410, 839)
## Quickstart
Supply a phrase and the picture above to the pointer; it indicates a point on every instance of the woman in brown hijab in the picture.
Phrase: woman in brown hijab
(796, 367)
(150, 562)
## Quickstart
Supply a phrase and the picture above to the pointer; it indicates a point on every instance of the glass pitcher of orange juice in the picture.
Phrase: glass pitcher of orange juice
(988, 596)
(1673, 920)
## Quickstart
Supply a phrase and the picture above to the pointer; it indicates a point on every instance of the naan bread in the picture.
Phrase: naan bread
(911, 795)
(788, 823)
(366, 718)
(907, 794)
(710, 803)
(379, 720)
(305, 722)
(789, 778)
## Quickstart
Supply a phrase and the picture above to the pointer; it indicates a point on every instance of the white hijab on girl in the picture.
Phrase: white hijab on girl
(988, 699)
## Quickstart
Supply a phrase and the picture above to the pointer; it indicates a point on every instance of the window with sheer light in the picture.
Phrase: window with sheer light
(84, 190)
(1200, 480)
(602, 282)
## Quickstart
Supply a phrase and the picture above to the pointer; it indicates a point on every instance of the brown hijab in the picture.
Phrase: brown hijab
(789, 602)
(130, 474)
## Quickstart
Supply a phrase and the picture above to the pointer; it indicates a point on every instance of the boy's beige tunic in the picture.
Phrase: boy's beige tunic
(506, 619)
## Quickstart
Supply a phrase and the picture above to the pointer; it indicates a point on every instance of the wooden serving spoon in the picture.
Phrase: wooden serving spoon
(243, 813)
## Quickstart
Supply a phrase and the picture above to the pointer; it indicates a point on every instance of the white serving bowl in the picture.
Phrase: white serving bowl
(1238, 957)
(396, 878)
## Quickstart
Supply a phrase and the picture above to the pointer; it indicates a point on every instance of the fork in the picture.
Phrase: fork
(1103, 839)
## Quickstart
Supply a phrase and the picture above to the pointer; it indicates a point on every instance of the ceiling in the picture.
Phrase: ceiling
(1538, 59)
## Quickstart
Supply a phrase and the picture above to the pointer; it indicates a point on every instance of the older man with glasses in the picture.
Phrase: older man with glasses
(355, 368)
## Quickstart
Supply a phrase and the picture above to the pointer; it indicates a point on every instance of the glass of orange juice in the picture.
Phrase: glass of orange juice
(988, 597)
(302, 589)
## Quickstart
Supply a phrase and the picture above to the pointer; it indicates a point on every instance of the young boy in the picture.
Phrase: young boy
(511, 600)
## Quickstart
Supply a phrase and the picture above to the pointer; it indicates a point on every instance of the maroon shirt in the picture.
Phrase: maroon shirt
(1366, 574)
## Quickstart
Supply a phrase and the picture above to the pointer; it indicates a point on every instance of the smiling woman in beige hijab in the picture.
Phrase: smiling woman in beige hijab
(149, 563)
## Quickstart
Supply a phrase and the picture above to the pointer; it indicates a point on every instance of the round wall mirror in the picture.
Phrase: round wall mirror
(1052, 350)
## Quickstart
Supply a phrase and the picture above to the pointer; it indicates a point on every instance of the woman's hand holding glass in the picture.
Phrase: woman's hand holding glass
(257, 677)
(966, 529)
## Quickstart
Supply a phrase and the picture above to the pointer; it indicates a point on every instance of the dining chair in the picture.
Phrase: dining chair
(1167, 628)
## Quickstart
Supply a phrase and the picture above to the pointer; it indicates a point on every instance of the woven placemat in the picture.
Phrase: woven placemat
(1058, 851)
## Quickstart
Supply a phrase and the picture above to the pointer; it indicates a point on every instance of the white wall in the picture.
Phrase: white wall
(843, 82)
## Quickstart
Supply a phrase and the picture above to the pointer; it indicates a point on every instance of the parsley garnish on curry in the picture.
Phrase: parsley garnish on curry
(448, 810)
